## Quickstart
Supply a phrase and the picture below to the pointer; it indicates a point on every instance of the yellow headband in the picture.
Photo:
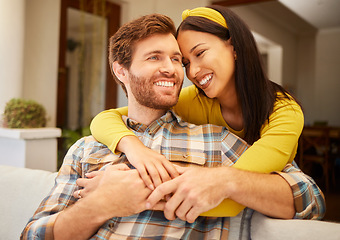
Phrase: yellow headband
(208, 13)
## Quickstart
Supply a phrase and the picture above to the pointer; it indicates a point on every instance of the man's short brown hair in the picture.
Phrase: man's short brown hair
(123, 41)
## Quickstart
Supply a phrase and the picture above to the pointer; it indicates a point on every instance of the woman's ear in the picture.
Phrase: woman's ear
(119, 71)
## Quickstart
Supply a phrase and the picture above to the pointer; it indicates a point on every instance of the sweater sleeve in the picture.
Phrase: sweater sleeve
(108, 127)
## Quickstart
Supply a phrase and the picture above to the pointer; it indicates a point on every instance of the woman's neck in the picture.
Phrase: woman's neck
(231, 110)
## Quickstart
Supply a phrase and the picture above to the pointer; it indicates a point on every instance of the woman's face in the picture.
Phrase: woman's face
(209, 62)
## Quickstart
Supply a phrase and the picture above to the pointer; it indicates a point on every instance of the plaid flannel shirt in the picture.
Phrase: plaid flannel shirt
(180, 142)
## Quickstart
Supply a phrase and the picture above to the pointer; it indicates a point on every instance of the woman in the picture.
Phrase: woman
(231, 89)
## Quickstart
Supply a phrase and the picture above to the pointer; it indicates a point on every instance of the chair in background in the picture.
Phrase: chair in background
(315, 146)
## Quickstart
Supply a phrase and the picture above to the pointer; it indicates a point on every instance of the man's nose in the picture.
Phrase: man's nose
(167, 66)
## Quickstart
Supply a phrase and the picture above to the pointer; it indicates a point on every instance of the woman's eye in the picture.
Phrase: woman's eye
(200, 53)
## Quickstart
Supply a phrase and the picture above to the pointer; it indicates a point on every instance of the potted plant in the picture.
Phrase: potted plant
(21, 113)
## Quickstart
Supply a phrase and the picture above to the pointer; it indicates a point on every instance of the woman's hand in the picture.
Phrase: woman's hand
(195, 191)
(153, 167)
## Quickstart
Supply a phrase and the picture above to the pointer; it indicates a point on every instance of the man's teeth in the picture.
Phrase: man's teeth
(165, 84)
(205, 80)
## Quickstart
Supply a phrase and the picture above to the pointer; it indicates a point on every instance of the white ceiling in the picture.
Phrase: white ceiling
(321, 14)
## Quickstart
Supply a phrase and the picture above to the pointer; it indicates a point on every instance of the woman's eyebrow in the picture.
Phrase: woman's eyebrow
(196, 46)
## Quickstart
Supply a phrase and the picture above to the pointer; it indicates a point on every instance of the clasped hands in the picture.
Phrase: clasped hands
(193, 191)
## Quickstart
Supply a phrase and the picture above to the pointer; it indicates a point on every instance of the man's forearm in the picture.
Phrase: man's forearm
(79, 221)
(269, 194)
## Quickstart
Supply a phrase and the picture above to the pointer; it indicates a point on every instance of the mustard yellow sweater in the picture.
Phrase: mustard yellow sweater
(276, 147)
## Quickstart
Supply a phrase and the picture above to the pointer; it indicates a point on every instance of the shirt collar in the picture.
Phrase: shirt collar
(168, 117)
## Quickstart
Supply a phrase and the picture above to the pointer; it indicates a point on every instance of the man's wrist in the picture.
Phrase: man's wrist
(232, 181)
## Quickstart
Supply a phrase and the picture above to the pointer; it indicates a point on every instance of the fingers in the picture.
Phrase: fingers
(145, 176)
(120, 166)
(81, 182)
(193, 214)
(92, 174)
(188, 210)
(160, 192)
(159, 206)
(170, 169)
(180, 169)
(77, 194)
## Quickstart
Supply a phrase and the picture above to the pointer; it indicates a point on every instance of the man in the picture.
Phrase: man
(152, 75)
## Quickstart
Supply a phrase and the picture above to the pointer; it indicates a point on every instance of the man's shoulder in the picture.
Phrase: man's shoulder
(90, 151)
(87, 143)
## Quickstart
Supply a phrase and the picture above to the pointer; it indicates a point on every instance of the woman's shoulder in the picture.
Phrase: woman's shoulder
(286, 101)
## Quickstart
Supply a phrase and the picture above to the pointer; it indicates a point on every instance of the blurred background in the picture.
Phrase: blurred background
(55, 52)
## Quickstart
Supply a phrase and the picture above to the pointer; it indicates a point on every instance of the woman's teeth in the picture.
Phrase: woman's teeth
(205, 80)
(164, 84)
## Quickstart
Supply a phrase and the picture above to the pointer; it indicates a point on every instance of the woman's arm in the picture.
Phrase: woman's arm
(108, 127)
(279, 140)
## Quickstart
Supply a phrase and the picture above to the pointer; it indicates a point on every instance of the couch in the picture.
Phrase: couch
(22, 190)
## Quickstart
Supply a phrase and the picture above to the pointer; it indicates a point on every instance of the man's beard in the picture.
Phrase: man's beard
(145, 95)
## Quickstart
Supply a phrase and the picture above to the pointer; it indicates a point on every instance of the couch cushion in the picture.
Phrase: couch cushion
(22, 190)
(263, 227)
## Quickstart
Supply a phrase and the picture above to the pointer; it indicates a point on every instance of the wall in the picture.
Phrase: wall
(280, 36)
(327, 84)
(12, 20)
(41, 54)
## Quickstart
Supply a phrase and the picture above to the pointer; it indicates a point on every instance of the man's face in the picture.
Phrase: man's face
(156, 73)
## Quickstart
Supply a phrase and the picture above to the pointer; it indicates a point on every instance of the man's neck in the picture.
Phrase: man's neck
(144, 115)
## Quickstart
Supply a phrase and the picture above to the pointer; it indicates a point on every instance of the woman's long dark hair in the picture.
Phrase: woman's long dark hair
(255, 92)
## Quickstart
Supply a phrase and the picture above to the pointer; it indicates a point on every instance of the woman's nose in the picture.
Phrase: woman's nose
(192, 71)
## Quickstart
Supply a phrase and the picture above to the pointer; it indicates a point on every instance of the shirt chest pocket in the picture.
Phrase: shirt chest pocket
(99, 159)
(185, 158)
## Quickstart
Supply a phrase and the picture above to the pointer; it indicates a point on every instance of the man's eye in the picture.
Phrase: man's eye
(177, 59)
(153, 58)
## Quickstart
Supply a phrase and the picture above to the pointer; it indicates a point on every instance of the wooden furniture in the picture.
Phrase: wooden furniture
(320, 144)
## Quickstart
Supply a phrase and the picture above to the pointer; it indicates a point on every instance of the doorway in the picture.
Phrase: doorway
(85, 84)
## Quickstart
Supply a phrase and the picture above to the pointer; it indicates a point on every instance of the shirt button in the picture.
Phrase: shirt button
(185, 156)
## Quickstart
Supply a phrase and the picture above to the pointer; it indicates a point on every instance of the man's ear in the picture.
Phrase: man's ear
(120, 72)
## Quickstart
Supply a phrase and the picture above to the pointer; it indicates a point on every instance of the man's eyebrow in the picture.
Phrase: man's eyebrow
(161, 52)
(178, 53)
(153, 52)
(196, 46)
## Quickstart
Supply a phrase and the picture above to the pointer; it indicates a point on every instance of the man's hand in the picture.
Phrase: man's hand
(123, 193)
(90, 183)
(116, 194)
(153, 167)
(195, 191)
